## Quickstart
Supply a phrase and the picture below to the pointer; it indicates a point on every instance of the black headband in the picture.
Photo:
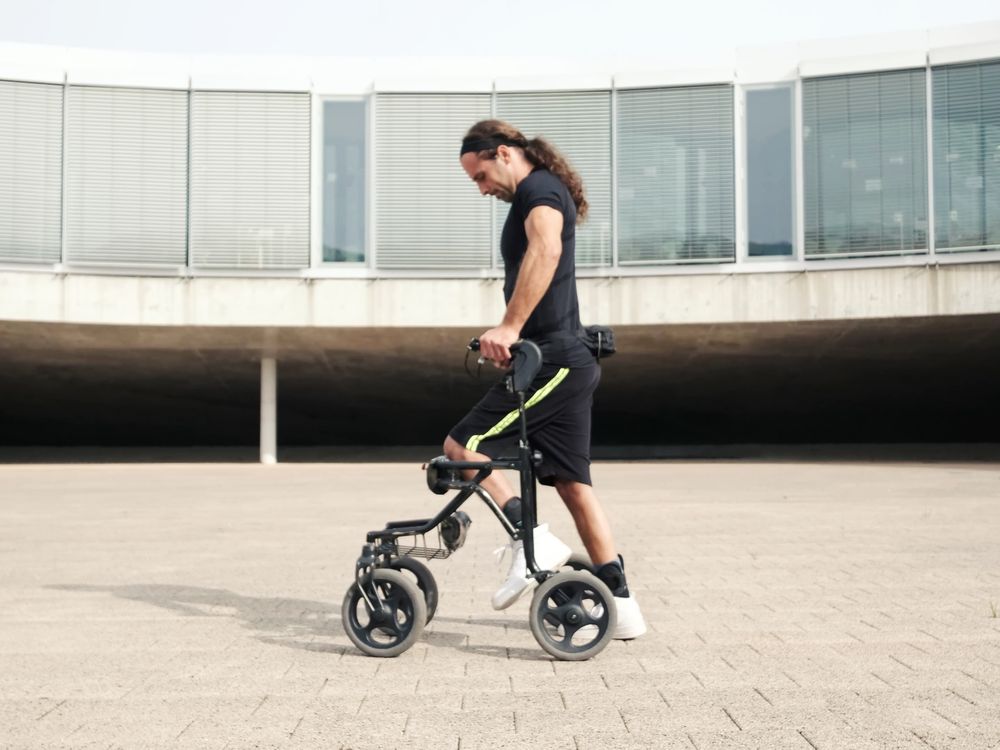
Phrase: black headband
(485, 144)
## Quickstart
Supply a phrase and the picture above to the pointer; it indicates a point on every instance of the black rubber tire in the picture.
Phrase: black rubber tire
(425, 581)
(579, 561)
(568, 604)
(406, 615)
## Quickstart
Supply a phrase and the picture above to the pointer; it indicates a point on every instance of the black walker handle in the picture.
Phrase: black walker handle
(525, 362)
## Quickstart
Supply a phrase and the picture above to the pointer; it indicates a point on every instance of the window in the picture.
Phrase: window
(967, 156)
(865, 153)
(676, 198)
(344, 181)
(31, 162)
(770, 173)
(249, 194)
(428, 213)
(126, 176)
(578, 124)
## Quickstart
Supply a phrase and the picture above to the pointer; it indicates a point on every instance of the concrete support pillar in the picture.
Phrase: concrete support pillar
(268, 410)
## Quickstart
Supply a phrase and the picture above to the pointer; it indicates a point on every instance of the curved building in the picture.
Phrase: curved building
(800, 245)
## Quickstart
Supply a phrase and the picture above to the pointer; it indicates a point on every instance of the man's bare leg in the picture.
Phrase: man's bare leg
(496, 483)
(591, 523)
(595, 531)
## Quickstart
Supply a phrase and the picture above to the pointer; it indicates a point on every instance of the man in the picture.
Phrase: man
(538, 247)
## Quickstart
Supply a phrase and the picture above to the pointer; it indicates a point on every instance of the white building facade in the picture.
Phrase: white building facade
(856, 179)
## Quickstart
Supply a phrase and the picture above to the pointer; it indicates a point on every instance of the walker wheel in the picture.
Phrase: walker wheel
(396, 626)
(572, 615)
(425, 581)
(579, 561)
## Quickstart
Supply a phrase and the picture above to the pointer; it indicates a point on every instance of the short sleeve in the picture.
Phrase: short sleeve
(543, 189)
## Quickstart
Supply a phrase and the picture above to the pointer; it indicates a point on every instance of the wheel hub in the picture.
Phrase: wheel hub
(573, 615)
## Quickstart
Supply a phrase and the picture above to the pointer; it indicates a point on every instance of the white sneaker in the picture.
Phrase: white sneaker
(630, 621)
(550, 553)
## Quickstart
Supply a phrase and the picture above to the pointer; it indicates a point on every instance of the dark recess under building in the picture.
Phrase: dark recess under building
(907, 380)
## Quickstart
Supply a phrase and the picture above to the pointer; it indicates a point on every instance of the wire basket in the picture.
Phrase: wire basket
(419, 547)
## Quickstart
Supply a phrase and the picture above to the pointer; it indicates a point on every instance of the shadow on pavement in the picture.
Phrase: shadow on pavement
(292, 623)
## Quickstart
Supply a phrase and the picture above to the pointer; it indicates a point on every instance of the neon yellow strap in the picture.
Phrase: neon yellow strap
(509, 418)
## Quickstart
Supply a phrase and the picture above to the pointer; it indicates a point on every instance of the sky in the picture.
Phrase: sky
(389, 28)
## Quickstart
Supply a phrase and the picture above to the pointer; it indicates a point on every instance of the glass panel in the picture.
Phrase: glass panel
(250, 179)
(429, 214)
(343, 181)
(135, 212)
(967, 156)
(770, 173)
(578, 124)
(31, 161)
(864, 141)
(675, 175)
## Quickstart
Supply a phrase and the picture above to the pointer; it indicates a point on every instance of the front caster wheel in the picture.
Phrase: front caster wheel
(572, 615)
(425, 581)
(392, 628)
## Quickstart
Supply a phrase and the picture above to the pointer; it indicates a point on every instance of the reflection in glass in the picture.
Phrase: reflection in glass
(344, 181)
(770, 175)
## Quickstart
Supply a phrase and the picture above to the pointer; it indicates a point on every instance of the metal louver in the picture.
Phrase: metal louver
(578, 124)
(30, 172)
(429, 215)
(967, 156)
(250, 183)
(865, 162)
(676, 185)
(126, 176)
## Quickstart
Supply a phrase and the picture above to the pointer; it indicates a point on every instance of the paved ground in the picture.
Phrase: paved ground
(791, 605)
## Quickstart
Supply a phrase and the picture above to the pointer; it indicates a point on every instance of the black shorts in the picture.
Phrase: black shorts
(559, 402)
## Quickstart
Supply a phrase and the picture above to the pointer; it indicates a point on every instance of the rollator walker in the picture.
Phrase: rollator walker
(572, 613)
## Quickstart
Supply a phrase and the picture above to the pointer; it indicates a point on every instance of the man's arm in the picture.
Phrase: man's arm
(544, 229)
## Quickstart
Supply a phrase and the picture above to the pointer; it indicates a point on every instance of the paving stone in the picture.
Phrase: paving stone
(796, 605)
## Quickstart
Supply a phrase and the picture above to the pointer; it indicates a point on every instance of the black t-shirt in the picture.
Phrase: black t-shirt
(555, 322)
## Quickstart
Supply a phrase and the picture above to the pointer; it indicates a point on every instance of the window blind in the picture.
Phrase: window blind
(126, 176)
(31, 172)
(429, 214)
(966, 107)
(864, 141)
(675, 163)
(578, 124)
(250, 183)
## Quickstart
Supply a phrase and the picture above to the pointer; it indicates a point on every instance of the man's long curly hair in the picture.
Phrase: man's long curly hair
(538, 151)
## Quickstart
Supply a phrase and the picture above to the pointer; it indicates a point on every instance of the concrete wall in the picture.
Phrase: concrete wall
(891, 292)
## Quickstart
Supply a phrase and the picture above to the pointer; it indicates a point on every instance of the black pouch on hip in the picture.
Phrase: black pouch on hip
(600, 340)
